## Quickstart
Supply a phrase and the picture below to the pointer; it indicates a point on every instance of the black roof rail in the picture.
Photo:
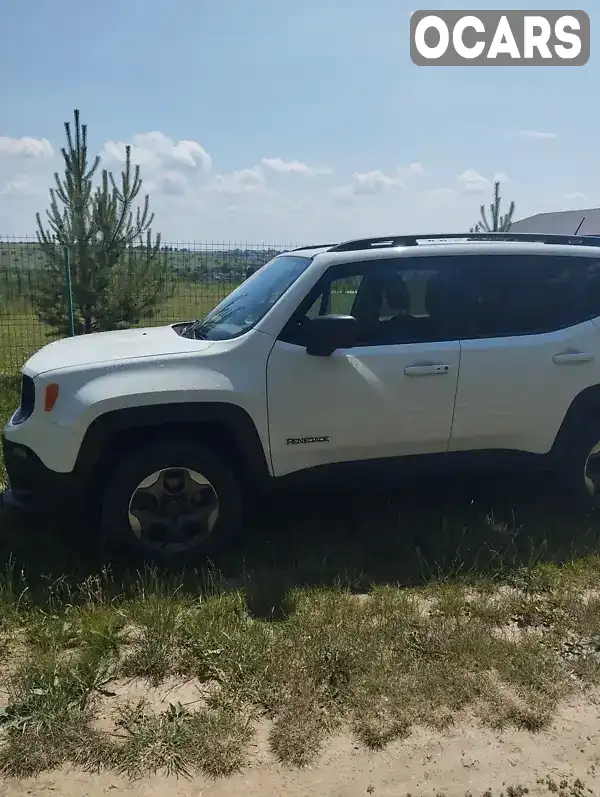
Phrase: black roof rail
(314, 246)
(375, 243)
(392, 241)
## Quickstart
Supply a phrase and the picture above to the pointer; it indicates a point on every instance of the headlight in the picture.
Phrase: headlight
(27, 401)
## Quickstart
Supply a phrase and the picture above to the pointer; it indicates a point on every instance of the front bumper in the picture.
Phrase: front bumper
(34, 486)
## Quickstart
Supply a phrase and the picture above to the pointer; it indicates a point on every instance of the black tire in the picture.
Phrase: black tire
(571, 470)
(144, 461)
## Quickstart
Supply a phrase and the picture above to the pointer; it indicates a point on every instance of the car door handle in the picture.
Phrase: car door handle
(573, 357)
(427, 369)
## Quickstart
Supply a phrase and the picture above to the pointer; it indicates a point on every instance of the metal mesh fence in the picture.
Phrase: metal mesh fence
(183, 282)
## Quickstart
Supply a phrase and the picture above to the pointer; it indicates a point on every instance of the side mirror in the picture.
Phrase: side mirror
(327, 333)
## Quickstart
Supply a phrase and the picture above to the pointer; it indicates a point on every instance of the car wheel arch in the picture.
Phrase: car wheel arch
(584, 408)
(226, 426)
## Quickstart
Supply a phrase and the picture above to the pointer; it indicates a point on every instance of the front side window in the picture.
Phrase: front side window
(250, 301)
(337, 299)
(394, 301)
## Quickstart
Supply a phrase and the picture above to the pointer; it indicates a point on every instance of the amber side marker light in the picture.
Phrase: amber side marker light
(50, 397)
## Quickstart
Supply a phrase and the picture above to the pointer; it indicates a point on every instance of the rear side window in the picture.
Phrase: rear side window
(531, 294)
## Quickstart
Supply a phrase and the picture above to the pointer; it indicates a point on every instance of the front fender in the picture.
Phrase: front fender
(162, 383)
(186, 388)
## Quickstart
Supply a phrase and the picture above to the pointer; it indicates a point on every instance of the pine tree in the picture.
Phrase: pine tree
(118, 270)
(499, 222)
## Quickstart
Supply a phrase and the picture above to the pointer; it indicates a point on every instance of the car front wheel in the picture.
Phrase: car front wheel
(171, 502)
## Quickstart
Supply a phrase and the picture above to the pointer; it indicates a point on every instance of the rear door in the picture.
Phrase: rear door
(531, 350)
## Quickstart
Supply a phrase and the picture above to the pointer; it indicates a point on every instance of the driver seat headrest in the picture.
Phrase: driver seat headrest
(396, 293)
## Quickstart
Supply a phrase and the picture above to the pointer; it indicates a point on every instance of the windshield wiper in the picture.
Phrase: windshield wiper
(192, 330)
(187, 328)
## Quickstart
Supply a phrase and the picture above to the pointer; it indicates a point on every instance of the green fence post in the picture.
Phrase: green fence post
(69, 292)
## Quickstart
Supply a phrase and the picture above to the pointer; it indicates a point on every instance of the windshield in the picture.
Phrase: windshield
(250, 301)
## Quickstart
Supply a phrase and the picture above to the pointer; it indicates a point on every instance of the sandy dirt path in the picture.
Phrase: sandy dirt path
(467, 758)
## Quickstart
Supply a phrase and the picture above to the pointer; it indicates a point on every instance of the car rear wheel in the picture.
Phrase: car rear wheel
(578, 471)
(172, 502)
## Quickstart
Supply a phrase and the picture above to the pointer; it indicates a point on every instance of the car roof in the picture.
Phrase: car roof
(452, 244)
(428, 250)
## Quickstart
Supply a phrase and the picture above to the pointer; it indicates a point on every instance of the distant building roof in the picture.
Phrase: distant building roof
(566, 222)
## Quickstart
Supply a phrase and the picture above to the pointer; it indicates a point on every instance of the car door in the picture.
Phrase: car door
(391, 395)
(532, 350)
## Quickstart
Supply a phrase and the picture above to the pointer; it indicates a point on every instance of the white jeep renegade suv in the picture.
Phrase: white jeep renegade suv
(379, 353)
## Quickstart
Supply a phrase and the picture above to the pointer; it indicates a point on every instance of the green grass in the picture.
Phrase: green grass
(376, 665)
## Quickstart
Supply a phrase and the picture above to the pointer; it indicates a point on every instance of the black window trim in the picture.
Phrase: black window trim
(354, 269)
(460, 265)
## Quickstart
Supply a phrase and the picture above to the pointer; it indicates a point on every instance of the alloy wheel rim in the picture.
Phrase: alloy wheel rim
(173, 510)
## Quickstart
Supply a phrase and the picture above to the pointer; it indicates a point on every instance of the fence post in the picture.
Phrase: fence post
(69, 292)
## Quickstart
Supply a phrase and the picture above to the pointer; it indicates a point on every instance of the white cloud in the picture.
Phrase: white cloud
(155, 150)
(377, 182)
(275, 199)
(271, 199)
(450, 193)
(440, 199)
(171, 183)
(17, 188)
(303, 205)
(575, 200)
(293, 167)
(243, 181)
(535, 135)
(169, 168)
(414, 170)
(342, 195)
(26, 147)
(471, 182)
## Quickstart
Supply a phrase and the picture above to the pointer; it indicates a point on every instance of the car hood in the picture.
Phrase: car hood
(109, 347)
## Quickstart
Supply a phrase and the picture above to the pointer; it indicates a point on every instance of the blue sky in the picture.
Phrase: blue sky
(299, 120)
